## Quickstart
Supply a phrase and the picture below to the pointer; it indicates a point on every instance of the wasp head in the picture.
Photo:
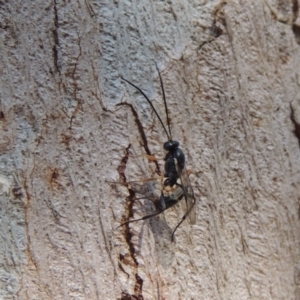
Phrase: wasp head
(171, 145)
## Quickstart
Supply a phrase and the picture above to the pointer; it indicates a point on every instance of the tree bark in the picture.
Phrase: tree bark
(74, 136)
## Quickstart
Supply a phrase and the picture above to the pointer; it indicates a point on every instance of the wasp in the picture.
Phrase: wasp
(175, 184)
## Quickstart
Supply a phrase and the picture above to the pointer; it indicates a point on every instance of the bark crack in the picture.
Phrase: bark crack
(142, 134)
(128, 235)
(296, 124)
(56, 39)
(76, 88)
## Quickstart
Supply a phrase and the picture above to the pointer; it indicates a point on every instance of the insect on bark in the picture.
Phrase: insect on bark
(176, 184)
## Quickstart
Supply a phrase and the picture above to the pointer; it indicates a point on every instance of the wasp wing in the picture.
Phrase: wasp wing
(188, 195)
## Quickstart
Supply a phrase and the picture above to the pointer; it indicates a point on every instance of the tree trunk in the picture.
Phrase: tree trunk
(74, 136)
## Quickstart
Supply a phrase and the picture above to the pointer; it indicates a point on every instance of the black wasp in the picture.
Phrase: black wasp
(176, 184)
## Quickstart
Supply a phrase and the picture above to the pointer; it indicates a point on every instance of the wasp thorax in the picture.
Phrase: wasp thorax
(171, 145)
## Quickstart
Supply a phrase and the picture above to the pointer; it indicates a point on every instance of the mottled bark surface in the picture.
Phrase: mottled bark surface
(231, 76)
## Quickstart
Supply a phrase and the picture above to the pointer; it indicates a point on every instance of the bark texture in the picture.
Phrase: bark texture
(70, 128)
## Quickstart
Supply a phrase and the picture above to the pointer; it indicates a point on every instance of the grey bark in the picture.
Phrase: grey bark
(68, 150)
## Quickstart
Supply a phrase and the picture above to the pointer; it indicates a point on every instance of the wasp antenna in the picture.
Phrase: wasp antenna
(165, 102)
(161, 122)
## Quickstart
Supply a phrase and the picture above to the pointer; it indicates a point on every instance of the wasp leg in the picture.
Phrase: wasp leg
(145, 180)
(182, 219)
(150, 158)
(135, 181)
(143, 218)
(140, 198)
(153, 158)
